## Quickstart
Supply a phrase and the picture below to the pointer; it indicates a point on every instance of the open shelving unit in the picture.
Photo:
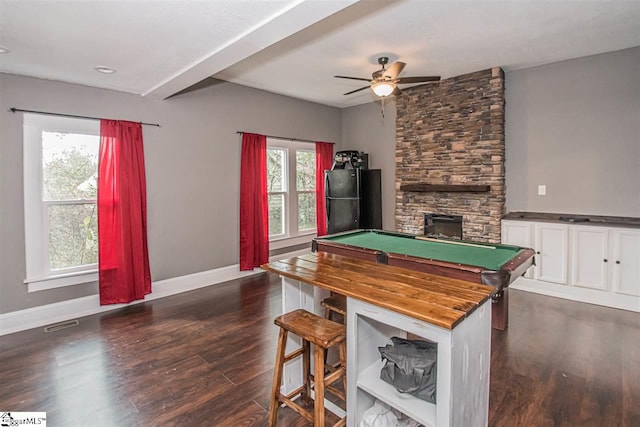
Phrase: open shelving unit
(462, 372)
(420, 410)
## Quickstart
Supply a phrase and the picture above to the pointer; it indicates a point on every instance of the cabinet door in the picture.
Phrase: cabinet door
(589, 256)
(518, 233)
(626, 261)
(551, 244)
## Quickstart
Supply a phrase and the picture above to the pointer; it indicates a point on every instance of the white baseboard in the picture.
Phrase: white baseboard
(43, 315)
(575, 293)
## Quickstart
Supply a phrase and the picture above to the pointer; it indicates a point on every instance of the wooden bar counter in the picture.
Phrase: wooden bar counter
(433, 299)
(385, 301)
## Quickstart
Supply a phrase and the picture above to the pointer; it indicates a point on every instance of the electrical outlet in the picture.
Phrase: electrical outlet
(542, 190)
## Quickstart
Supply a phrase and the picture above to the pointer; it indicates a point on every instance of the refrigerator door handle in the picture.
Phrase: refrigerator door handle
(327, 189)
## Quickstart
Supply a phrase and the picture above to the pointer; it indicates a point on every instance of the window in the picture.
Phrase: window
(60, 189)
(291, 187)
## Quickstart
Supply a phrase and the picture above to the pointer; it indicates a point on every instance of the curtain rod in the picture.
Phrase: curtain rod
(282, 137)
(14, 110)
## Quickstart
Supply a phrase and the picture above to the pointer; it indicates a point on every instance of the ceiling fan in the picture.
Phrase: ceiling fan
(384, 81)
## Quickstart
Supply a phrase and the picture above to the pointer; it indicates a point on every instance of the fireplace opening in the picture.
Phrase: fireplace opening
(443, 226)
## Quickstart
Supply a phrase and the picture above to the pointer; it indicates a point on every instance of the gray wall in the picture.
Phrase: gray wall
(364, 129)
(575, 127)
(192, 166)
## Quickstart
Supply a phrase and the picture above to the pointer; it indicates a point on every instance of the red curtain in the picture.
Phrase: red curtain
(254, 211)
(123, 256)
(324, 161)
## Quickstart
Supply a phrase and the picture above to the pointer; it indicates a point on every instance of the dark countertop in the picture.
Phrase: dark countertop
(609, 221)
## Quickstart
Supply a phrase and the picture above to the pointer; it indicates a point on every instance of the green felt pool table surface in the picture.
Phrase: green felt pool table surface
(487, 256)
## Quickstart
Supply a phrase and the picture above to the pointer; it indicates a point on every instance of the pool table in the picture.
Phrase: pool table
(491, 264)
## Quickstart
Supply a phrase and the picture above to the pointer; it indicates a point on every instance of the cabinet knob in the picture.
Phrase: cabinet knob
(605, 260)
(617, 262)
(537, 252)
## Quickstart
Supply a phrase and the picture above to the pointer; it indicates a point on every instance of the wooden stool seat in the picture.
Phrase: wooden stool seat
(312, 328)
(323, 333)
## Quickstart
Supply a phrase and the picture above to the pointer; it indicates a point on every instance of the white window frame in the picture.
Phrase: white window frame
(291, 236)
(39, 274)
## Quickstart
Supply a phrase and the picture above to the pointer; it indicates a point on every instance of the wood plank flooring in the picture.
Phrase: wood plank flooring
(205, 358)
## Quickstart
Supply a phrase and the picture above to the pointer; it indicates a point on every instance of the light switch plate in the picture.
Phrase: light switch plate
(542, 190)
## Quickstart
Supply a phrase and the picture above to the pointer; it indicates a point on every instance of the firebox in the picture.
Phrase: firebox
(443, 226)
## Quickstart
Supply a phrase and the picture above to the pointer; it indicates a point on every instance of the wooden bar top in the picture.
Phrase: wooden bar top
(438, 300)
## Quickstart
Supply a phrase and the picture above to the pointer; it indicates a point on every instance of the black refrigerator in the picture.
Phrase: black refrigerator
(353, 199)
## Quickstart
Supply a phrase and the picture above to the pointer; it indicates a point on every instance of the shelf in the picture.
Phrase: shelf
(434, 188)
(420, 410)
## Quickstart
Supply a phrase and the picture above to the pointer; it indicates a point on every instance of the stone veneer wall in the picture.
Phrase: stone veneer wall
(452, 132)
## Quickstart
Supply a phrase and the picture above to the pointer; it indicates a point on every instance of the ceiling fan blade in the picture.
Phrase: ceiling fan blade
(357, 90)
(422, 79)
(352, 78)
(393, 70)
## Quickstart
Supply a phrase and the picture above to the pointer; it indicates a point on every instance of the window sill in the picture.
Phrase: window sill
(284, 242)
(61, 280)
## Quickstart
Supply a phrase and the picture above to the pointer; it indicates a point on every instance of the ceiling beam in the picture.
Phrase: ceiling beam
(295, 17)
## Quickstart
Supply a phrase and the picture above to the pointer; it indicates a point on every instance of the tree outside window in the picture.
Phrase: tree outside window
(69, 189)
(291, 183)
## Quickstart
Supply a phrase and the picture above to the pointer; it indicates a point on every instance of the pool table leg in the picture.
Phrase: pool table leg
(500, 310)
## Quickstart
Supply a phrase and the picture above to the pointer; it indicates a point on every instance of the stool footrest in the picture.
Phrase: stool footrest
(333, 377)
(299, 409)
(294, 354)
(292, 394)
(341, 394)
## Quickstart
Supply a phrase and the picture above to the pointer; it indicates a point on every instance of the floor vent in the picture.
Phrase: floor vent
(61, 325)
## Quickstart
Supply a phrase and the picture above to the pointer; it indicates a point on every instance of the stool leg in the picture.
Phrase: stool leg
(318, 406)
(277, 378)
(306, 371)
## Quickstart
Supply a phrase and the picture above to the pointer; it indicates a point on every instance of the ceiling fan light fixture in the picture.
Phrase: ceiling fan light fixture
(383, 89)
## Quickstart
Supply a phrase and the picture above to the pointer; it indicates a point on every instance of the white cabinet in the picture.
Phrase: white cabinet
(625, 254)
(550, 242)
(551, 246)
(590, 259)
(463, 360)
(462, 380)
(518, 233)
(589, 263)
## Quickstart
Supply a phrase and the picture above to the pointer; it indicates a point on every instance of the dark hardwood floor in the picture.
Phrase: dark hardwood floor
(205, 358)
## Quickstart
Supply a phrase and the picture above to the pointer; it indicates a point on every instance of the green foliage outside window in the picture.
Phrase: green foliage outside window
(306, 181)
(69, 173)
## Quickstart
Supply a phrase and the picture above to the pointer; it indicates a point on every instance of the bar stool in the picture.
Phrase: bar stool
(323, 334)
(336, 303)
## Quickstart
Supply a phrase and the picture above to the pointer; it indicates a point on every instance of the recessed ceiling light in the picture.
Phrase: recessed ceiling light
(4, 49)
(105, 70)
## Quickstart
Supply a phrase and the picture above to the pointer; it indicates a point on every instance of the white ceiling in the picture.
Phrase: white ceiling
(294, 47)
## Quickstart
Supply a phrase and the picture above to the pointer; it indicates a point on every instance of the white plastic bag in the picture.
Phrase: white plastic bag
(379, 415)
(382, 415)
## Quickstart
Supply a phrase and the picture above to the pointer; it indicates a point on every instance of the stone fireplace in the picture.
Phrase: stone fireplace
(450, 154)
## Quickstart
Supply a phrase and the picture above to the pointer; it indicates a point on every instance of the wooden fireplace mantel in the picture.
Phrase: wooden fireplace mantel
(427, 188)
